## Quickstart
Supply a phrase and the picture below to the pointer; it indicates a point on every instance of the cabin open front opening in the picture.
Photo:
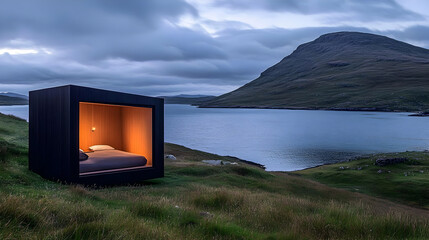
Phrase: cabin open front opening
(114, 138)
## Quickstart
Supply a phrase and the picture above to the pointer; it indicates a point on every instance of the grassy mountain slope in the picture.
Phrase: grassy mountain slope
(192, 201)
(344, 70)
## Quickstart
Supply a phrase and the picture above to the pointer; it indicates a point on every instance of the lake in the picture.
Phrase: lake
(17, 110)
(286, 140)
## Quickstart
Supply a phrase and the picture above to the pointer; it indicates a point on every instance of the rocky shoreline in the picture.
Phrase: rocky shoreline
(248, 162)
(420, 114)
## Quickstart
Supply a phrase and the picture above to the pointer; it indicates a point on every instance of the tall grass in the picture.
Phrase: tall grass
(198, 211)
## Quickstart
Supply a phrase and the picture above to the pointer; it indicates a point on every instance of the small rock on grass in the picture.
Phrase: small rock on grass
(170, 156)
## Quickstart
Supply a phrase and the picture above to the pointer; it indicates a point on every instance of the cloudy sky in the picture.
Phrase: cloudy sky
(168, 47)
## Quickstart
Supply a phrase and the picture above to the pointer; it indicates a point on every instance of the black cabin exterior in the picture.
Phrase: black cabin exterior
(54, 134)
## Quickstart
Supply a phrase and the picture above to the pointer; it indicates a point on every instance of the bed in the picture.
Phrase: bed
(109, 160)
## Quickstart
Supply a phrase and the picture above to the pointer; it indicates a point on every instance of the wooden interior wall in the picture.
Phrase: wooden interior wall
(107, 121)
(137, 131)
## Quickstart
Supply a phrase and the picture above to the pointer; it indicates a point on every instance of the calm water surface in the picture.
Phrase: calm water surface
(293, 139)
(17, 110)
(285, 140)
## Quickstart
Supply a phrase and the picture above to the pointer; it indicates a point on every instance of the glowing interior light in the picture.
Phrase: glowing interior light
(93, 129)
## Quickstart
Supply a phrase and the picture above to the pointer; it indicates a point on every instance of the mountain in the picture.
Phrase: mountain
(11, 94)
(341, 71)
(187, 99)
(6, 100)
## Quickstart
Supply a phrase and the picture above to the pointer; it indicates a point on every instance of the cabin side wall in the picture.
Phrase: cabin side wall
(158, 137)
(49, 133)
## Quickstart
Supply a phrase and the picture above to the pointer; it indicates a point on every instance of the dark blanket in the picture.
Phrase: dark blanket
(110, 159)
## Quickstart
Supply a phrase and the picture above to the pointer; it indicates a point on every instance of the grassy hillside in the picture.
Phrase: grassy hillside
(14, 131)
(6, 100)
(344, 71)
(406, 182)
(192, 201)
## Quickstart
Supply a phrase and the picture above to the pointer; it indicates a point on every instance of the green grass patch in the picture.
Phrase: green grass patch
(218, 200)
(405, 182)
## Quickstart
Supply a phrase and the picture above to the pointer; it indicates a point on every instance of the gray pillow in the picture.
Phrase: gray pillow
(82, 155)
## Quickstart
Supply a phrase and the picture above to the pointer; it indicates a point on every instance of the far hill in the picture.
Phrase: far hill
(187, 99)
(7, 100)
(341, 71)
(11, 94)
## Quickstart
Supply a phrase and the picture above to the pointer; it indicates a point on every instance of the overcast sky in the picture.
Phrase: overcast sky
(168, 47)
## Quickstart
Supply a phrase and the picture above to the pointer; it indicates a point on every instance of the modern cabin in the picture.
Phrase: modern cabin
(92, 136)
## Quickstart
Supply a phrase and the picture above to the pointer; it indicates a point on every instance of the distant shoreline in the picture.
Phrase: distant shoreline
(312, 108)
(14, 104)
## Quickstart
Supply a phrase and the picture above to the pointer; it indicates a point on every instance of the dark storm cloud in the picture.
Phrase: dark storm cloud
(104, 44)
(100, 43)
(414, 33)
(362, 10)
(166, 43)
(87, 17)
(134, 30)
